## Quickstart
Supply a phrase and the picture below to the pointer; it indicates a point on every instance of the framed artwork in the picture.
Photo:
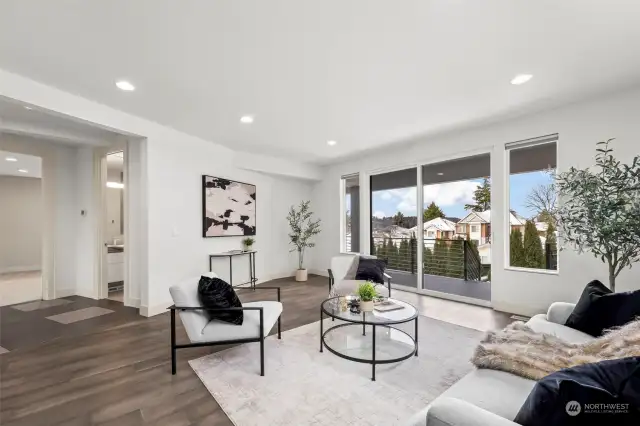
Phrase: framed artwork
(228, 208)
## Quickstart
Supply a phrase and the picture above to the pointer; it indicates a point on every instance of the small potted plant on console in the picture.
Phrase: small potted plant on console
(247, 243)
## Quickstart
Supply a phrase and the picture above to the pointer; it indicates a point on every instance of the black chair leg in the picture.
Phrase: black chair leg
(279, 333)
(173, 342)
(262, 357)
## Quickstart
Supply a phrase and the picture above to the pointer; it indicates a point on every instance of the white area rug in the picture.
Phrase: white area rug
(302, 386)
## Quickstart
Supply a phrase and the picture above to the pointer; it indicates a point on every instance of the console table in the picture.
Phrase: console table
(231, 255)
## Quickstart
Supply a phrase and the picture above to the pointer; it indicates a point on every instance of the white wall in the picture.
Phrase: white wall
(21, 224)
(579, 127)
(60, 216)
(176, 247)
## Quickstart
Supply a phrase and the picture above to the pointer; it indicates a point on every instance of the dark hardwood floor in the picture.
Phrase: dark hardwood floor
(116, 369)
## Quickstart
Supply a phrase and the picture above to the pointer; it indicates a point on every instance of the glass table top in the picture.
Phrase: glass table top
(333, 308)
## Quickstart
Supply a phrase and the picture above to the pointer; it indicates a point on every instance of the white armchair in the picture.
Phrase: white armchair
(342, 273)
(259, 319)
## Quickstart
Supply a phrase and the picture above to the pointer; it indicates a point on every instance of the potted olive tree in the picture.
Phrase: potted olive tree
(303, 229)
(600, 212)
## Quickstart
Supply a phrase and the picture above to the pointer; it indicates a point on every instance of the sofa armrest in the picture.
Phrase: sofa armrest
(559, 312)
(456, 412)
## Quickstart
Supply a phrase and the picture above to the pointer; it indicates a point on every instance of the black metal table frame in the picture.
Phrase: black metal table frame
(353, 322)
(252, 266)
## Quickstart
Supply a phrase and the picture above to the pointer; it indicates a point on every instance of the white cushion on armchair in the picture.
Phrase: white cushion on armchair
(200, 329)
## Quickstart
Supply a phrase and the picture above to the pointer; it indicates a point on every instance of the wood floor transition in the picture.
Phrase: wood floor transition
(115, 369)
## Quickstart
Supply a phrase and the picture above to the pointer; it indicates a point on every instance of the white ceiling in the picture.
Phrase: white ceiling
(31, 120)
(362, 72)
(30, 163)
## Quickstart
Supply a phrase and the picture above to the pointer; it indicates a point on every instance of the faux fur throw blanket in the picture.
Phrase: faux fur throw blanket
(519, 350)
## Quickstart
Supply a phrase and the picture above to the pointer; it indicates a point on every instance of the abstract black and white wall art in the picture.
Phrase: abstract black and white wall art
(229, 207)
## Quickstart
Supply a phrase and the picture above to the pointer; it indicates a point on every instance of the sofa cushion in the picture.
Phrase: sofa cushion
(496, 391)
(599, 308)
(215, 294)
(563, 397)
(539, 324)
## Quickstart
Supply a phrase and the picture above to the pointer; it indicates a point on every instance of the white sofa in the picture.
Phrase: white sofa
(342, 274)
(493, 398)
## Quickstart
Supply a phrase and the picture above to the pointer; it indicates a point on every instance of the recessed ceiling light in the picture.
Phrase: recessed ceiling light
(440, 174)
(125, 85)
(246, 119)
(23, 170)
(29, 108)
(331, 143)
(12, 159)
(521, 79)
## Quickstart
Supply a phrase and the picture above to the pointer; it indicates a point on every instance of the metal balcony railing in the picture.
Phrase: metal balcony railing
(445, 257)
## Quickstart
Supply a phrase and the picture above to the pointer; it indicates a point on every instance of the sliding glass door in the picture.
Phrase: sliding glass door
(438, 239)
(394, 224)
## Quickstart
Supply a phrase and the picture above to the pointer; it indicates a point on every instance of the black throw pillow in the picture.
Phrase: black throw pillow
(371, 270)
(575, 396)
(599, 308)
(215, 293)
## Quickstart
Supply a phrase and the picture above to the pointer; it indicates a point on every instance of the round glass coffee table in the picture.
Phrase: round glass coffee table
(369, 337)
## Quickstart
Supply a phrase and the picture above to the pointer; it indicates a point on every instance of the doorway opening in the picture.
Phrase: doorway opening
(21, 228)
(114, 227)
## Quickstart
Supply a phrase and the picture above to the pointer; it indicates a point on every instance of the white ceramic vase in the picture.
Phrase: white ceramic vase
(366, 306)
(301, 275)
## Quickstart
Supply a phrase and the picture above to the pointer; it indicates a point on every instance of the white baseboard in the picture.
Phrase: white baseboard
(321, 272)
(133, 303)
(30, 268)
(150, 311)
(85, 293)
(65, 293)
(511, 308)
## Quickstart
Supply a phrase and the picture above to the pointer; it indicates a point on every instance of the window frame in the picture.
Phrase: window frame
(508, 147)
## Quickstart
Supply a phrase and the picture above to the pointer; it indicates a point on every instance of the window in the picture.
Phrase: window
(351, 214)
(431, 234)
(475, 228)
(532, 201)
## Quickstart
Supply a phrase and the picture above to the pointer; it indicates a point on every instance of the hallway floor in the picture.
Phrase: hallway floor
(20, 287)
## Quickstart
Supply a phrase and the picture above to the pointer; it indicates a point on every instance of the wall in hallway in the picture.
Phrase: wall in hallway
(60, 216)
(21, 224)
(579, 126)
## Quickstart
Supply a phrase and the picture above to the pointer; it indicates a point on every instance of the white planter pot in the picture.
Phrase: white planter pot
(366, 306)
(301, 275)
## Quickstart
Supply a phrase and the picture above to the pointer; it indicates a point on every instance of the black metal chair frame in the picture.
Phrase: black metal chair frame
(260, 339)
(332, 281)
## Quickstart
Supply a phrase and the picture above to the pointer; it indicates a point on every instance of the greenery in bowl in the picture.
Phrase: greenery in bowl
(248, 242)
(367, 291)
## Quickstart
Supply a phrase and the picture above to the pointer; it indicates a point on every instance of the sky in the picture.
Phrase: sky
(452, 196)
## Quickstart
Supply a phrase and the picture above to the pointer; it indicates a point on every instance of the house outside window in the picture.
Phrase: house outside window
(475, 228)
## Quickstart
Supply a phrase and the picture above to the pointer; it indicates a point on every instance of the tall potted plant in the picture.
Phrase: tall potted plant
(303, 229)
(600, 212)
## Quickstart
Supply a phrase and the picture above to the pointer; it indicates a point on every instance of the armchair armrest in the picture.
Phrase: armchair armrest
(387, 276)
(456, 412)
(559, 312)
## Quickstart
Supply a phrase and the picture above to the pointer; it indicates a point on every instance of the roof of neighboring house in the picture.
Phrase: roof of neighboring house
(542, 226)
(453, 219)
(485, 217)
(393, 231)
(439, 223)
